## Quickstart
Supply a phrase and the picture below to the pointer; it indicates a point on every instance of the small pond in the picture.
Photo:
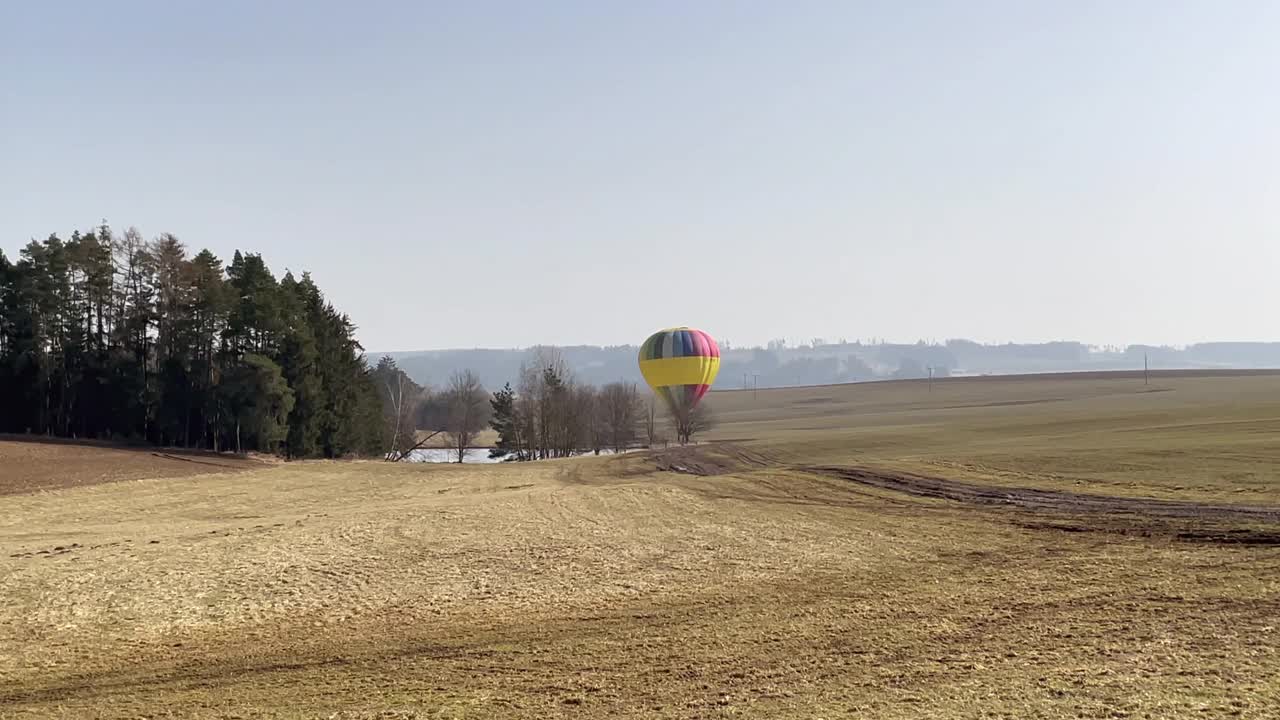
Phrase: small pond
(439, 455)
(473, 455)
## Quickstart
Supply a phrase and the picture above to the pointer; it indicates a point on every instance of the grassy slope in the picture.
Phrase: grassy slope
(598, 588)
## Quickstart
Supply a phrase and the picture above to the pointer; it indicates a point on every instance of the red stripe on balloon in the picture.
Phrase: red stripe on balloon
(700, 345)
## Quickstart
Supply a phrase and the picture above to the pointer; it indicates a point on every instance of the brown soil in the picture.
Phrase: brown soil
(1212, 521)
(705, 460)
(1036, 499)
(1070, 511)
(35, 465)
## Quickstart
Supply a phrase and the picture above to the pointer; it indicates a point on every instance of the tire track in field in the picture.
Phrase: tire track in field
(1183, 519)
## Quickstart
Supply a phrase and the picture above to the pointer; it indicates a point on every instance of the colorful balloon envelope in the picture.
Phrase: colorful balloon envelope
(680, 364)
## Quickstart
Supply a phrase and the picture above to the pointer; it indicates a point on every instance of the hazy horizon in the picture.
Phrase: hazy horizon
(795, 343)
(804, 365)
(502, 175)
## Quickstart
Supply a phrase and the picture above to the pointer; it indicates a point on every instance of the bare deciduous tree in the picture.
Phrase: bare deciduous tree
(551, 414)
(588, 431)
(691, 422)
(402, 402)
(547, 405)
(620, 411)
(467, 410)
(400, 419)
(651, 423)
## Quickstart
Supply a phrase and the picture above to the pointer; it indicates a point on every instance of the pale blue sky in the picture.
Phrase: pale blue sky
(1102, 171)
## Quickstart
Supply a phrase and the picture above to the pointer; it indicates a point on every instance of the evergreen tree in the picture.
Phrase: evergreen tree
(298, 360)
(504, 422)
(129, 367)
(258, 401)
(209, 307)
(255, 324)
(110, 336)
(175, 338)
(8, 340)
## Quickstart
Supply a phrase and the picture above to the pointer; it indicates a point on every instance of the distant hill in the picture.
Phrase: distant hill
(824, 363)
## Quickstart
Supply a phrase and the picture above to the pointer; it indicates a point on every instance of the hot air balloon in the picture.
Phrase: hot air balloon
(680, 364)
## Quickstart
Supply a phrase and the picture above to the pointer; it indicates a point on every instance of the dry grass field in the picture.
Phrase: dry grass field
(1049, 547)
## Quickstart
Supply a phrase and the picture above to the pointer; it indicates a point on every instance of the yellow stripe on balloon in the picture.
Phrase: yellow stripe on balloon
(691, 370)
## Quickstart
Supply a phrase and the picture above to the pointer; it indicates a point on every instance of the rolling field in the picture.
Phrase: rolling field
(1051, 547)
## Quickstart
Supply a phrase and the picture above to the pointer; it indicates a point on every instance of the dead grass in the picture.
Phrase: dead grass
(623, 587)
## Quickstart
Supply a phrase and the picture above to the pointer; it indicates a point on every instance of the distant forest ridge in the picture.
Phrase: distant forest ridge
(819, 363)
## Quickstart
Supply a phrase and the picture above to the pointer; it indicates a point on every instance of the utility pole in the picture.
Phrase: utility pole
(1146, 370)
(755, 385)
(930, 378)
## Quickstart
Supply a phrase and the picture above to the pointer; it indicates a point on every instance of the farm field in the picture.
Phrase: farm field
(41, 464)
(1039, 547)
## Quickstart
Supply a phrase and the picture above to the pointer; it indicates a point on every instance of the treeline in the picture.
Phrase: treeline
(110, 336)
(739, 367)
(819, 362)
(550, 413)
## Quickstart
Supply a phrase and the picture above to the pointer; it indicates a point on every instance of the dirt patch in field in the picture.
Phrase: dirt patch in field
(713, 459)
(28, 466)
(1036, 499)
(1183, 520)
